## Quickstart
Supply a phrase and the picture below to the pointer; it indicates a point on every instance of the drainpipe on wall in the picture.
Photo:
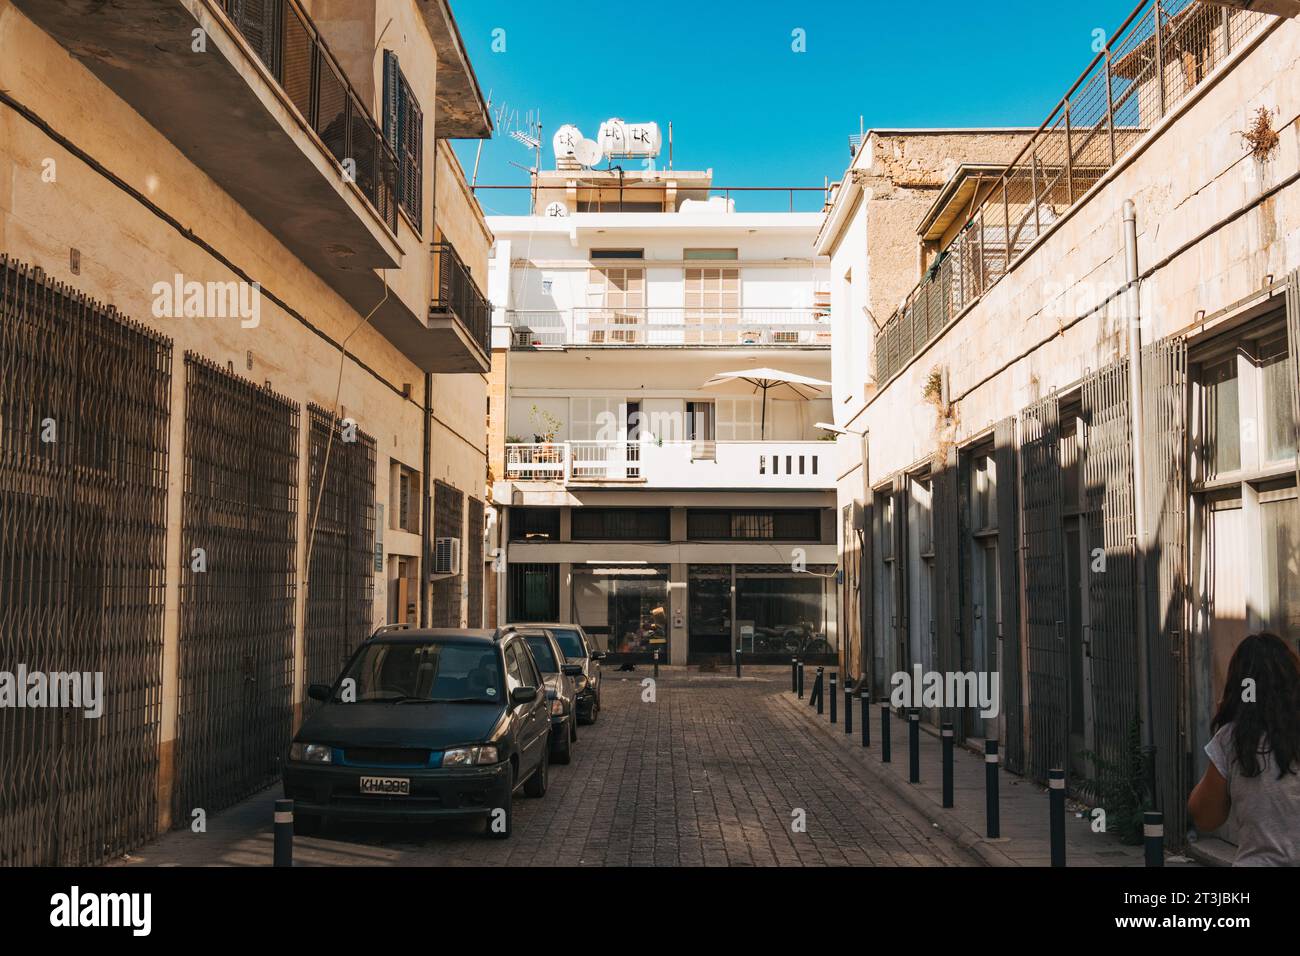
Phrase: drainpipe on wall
(426, 513)
(1136, 420)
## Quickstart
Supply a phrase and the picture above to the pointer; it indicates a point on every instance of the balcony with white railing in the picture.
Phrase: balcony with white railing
(807, 327)
(802, 465)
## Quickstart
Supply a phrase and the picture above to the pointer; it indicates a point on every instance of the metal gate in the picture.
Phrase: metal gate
(239, 548)
(341, 576)
(84, 410)
(1048, 660)
(1111, 642)
(474, 583)
(1165, 398)
(945, 502)
(448, 522)
(1010, 657)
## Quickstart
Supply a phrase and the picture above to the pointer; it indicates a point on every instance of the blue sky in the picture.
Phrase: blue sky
(742, 101)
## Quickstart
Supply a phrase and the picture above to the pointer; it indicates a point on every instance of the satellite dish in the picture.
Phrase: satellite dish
(557, 210)
(566, 140)
(588, 152)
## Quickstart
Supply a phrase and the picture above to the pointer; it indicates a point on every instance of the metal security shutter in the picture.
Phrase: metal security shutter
(83, 515)
(1110, 644)
(1048, 662)
(236, 617)
(946, 506)
(902, 615)
(866, 567)
(1010, 659)
(1293, 345)
(474, 583)
(448, 522)
(1166, 397)
(341, 536)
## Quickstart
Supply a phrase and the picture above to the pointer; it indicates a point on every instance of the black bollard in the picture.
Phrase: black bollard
(914, 745)
(1056, 793)
(800, 673)
(1153, 836)
(884, 733)
(835, 690)
(794, 675)
(991, 788)
(738, 663)
(866, 714)
(819, 690)
(656, 663)
(848, 706)
(284, 833)
(947, 765)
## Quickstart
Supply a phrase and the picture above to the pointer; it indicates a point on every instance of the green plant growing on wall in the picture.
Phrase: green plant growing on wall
(1120, 787)
(933, 391)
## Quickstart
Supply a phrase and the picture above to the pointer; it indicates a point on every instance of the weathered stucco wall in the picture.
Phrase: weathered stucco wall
(1201, 205)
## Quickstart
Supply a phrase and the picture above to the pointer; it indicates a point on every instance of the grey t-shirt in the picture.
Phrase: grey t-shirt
(1265, 812)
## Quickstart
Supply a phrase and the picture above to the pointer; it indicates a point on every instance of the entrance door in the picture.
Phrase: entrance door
(710, 621)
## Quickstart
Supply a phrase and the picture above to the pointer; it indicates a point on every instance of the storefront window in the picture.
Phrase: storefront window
(781, 613)
(625, 609)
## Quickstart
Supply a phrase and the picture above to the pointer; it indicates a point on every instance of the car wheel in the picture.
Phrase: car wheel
(573, 726)
(562, 747)
(536, 784)
(595, 710)
(307, 824)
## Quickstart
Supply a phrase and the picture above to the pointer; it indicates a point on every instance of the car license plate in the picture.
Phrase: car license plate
(387, 786)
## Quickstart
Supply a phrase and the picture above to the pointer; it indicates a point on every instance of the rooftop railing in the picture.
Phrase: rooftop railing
(668, 326)
(288, 43)
(1162, 52)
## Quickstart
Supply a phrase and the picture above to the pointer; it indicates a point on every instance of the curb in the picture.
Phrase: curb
(971, 841)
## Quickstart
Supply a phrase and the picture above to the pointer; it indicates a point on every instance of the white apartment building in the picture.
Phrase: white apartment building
(661, 511)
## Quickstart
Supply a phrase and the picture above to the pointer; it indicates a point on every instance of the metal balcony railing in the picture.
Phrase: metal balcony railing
(1162, 52)
(457, 294)
(671, 326)
(673, 464)
(291, 47)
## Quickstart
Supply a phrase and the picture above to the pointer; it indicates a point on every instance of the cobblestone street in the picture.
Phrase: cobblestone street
(711, 773)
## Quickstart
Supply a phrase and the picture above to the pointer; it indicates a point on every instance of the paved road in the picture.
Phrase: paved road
(710, 773)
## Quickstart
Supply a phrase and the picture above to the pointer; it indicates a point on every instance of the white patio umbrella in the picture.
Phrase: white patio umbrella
(767, 379)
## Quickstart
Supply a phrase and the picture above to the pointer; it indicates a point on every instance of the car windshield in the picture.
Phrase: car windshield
(542, 653)
(402, 671)
(570, 644)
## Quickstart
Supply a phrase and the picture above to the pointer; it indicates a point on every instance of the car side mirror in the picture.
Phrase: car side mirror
(572, 670)
(599, 655)
(318, 691)
(523, 695)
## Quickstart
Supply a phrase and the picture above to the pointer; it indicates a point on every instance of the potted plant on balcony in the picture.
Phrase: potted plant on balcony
(547, 427)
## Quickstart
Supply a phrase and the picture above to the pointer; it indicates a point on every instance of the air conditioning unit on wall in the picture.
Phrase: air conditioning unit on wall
(446, 556)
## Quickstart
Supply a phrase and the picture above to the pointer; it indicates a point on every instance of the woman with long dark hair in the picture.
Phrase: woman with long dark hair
(1254, 771)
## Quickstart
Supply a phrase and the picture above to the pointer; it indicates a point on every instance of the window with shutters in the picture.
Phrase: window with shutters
(713, 306)
(404, 130)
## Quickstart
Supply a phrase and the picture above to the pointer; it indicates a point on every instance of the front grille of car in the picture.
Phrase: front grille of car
(386, 757)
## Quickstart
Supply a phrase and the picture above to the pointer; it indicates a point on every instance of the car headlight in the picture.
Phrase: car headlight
(311, 753)
(580, 682)
(470, 756)
(557, 708)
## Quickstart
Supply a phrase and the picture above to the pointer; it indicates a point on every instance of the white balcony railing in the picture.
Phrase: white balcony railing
(675, 464)
(669, 326)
